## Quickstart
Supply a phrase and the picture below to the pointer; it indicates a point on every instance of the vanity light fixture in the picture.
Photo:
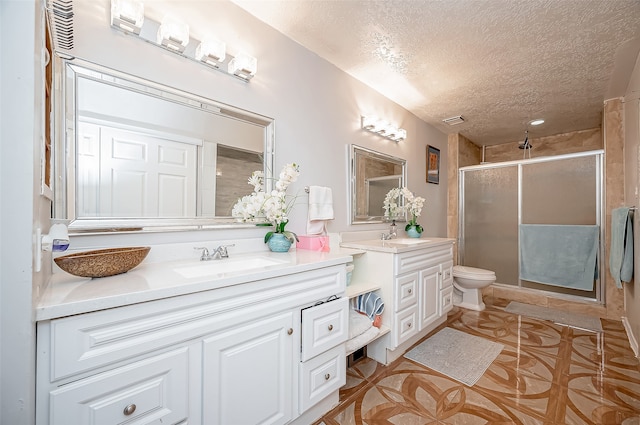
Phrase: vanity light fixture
(173, 34)
(383, 128)
(127, 15)
(211, 51)
(243, 66)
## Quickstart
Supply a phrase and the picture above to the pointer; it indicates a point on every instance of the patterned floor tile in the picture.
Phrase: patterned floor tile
(547, 374)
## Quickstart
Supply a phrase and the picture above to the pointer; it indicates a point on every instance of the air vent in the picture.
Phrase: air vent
(60, 13)
(454, 120)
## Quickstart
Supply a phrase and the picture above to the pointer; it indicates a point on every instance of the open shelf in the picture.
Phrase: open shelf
(383, 331)
(359, 288)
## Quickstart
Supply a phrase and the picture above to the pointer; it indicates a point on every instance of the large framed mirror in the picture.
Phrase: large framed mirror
(131, 154)
(373, 174)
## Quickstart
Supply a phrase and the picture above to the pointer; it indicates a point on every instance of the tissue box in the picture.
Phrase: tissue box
(313, 243)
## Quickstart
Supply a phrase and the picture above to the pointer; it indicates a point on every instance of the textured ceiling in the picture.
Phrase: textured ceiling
(498, 63)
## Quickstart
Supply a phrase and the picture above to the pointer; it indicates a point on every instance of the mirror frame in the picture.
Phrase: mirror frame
(354, 151)
(64, 123)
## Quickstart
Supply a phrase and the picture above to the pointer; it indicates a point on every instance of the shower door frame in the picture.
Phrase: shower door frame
(600, 213)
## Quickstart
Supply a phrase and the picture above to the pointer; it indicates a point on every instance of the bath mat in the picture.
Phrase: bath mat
(456, 354)
(575, 320)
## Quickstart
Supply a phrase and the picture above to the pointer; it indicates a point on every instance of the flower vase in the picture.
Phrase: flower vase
(279, 243)
(412, 232)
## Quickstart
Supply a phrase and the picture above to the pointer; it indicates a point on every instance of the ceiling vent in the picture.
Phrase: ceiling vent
(60, 13)
(454, 120)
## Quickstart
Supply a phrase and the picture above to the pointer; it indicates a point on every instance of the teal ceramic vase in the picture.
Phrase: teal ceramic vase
(279, 243)
(413, 232)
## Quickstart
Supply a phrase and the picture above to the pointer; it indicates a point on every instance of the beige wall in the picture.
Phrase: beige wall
(632, 181)
(462, 152)
(559, 144)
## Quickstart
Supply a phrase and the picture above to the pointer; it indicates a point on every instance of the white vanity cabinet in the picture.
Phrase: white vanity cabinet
(416, 285)
(224, 356)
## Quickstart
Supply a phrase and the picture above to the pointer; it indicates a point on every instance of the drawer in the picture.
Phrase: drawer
(406, 291)
(321, 376)
(447, 275)
(446, 300)
(324, 326)
(405, 325)
(154, 390)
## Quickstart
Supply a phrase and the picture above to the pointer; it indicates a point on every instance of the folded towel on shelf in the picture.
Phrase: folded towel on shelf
(559, 255)
(320, 209)
(621, 253)
(358, 323)
(362, 339)
(370, 304)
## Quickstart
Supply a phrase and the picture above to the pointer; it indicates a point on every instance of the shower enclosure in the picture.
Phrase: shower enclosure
(497, 201)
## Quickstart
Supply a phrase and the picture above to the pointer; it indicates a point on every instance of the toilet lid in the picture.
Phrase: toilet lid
(470, 272)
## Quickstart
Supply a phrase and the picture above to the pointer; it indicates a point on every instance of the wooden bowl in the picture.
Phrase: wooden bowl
(102, 262)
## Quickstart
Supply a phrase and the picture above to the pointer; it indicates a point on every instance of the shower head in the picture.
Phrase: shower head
(525, 144)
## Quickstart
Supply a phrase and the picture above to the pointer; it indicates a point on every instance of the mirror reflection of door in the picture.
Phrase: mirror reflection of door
(131, 174)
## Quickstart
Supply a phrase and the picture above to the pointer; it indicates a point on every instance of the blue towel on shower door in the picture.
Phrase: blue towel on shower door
(621, 253)
(559, 255)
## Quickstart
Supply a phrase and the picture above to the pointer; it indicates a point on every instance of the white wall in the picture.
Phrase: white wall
(316, 106)
(632, 187)
(21, 206)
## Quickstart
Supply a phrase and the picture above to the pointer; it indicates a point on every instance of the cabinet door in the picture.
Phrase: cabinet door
(429, 296)
(248, 373)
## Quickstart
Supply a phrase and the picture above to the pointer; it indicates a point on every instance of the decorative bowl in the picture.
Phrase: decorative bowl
(102, 262)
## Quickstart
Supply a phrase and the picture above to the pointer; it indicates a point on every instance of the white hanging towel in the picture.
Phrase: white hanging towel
(320, 209)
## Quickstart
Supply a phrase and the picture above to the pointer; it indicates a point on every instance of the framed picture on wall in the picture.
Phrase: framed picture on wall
(433, 165)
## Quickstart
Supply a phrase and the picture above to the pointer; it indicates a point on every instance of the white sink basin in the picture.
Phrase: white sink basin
(407, 241)
(217, 267)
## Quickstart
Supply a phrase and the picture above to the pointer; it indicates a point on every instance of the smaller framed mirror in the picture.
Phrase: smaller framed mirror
(373, 174)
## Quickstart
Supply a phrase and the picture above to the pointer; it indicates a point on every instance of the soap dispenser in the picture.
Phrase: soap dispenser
(58, 237)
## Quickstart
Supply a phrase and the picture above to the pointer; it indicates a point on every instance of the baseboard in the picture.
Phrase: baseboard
(632, 339)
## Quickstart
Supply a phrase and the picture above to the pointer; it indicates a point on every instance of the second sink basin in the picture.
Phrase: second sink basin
(407, 241)
(216, 267)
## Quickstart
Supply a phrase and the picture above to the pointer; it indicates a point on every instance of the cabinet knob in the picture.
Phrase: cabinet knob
(290, 331)
(129, 409)
(327, 376)
(330, 327)
(409, 324)
(410, 291)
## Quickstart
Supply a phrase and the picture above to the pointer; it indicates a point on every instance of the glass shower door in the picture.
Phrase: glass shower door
(489, 228)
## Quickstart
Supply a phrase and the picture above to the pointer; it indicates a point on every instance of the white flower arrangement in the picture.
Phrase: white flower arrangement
(412, 205)
(273, 207)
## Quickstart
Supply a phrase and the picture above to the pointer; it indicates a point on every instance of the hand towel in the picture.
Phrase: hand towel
(621, 253)
(362, 339)
(559, 255)
(320, 209)
(358, 323)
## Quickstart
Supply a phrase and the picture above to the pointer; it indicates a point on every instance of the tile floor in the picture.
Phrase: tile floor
(546, 374)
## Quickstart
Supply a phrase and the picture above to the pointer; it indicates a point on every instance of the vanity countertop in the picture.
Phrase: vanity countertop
(67, 295)
(396, 245)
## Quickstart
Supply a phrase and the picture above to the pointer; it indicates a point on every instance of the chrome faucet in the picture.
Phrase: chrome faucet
(392, 232)
(219, 253)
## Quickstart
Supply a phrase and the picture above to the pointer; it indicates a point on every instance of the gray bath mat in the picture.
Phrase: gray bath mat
(456, 354)
(575, 320)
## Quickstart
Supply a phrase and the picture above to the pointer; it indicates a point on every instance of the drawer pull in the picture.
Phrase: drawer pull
(330, 327)
(327, 377)
(290, 331)
(129, 410)
(408, 325)
(410, 291)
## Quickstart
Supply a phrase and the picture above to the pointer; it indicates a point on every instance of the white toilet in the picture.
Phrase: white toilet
(468, 283)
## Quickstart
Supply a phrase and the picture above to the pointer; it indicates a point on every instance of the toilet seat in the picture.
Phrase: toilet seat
(473, 273)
